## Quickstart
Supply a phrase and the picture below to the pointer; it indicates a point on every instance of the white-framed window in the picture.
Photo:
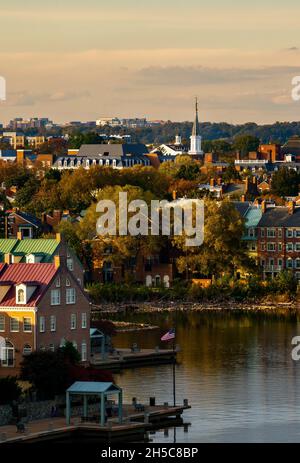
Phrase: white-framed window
(42, 324)
(73, 321)
(114, 163)
(271, 247)
(70, 296)
(70, 264)
(27, 349)
(83, 320)
(14, 325)
(83, 352)
(251, 232)
(297, 233)
(262, 246)
(55, 296)
(289, 247)
(297, 247)
(27, 325)
(53, 323)
(51, 347)
(280, 263)
(2, 323)
(8, 355)
(279, 232)
(42, 347)
(279, 246)
(68, 282)
(20, 296)
(74, 344)
(57, 282)
(271, 232)
(289, 233)
(289, 263)
(297, 263)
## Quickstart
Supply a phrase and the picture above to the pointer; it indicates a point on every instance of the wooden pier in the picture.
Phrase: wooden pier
(134, 427)
(125, 358)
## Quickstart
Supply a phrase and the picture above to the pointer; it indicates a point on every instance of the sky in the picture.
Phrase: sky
(73, 60)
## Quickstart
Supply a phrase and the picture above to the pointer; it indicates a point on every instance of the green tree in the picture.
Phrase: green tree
(285, 182)
(246, 144)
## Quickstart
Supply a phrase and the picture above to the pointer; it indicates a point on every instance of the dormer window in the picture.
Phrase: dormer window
(57, 283)
(24, 291)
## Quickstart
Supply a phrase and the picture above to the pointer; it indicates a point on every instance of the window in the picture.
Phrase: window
(280, 263)
(297, 263)
(27, 325)
(73, 321)
(262, 232)
(70, 296)
(53, 323)
(289, 233)
(57, 283)
(14, 325)
(262, 246)
(289, 263)
(297, 247)
(68, 282)
(271, 233)
(70, 264)
(279, 246)
(289, 247)
(271, 247)
(83, 320)
(42, 347)
(20, 296)
(279, 233)
(27, 349)
(42, 325)
(55, 296)
(251, 232)
(297, 233)
(83, 352)
(2, 323)
(51, 347)
(74, 344)
(7, 355)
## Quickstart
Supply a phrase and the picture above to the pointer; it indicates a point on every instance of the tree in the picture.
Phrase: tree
(9, 390)
(26, 192)
(222, 251)
(285, 182)
(245, 144)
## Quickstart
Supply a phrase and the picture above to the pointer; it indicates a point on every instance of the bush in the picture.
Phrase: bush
(9, 390)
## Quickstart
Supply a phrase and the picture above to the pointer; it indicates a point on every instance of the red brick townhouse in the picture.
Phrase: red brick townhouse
(278, 235)
(42, 305)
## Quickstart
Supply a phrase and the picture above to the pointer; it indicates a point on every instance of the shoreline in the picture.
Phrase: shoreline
(226, 307)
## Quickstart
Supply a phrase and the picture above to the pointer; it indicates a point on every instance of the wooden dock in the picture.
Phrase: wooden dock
(125, 358)
(134, 427)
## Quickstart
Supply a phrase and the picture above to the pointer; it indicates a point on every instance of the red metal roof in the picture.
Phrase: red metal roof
(41, 274)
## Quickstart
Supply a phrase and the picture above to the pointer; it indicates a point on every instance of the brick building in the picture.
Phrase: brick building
(42, 305)
(278, 236)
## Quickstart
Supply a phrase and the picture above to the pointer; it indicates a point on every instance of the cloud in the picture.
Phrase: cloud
(25, 98)
(199, 75)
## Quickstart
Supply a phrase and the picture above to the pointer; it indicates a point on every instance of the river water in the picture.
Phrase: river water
(236, 371)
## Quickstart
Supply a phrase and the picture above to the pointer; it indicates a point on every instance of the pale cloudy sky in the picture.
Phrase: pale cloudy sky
(80, 60)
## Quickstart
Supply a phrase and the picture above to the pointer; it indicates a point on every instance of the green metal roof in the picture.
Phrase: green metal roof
(7, 245)
(46, 247)
(92, 387)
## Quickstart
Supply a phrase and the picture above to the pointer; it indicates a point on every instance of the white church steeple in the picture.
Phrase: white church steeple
(196, 139)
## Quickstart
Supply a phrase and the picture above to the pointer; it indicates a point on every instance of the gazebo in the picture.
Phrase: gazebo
(91, 388)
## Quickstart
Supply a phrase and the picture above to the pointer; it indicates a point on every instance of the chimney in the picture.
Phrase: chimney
(212, 182)
(8, 258)
(174, 195)
(238, 156)
(57, 261)
(58, 237)
(291, 207)
(263, 207)
(243, 198)
(43, 217)
(19, 235)
(57, 214)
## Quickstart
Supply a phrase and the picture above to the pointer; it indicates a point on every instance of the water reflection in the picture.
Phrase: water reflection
(236, 370)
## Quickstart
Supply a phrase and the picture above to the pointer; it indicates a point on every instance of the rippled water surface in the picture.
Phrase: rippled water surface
(236, 371)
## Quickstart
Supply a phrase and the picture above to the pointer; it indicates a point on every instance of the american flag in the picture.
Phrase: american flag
(169, 335)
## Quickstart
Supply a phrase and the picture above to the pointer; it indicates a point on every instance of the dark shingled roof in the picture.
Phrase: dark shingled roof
(280, 217)
(112, 150)
(242, 207)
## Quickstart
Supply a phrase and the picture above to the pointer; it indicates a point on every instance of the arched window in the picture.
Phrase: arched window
(21, 296)
(27, 349)
(7, 355)
(166, 281)
(157, 280)
(148, 281)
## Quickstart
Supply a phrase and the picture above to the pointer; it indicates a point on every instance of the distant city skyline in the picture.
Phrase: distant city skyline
(81, 61)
